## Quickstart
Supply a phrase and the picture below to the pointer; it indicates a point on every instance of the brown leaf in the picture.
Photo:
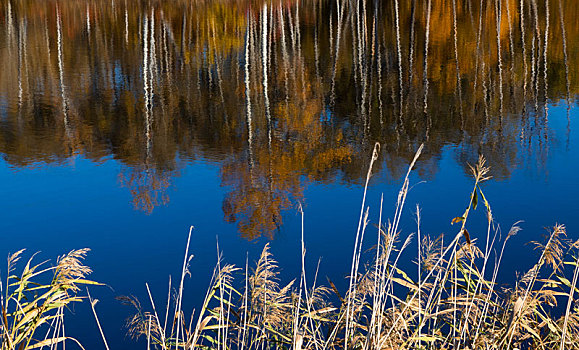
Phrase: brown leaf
(466, 235)
(456, 219)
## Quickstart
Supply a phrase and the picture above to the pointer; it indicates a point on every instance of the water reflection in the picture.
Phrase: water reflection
(280, 93)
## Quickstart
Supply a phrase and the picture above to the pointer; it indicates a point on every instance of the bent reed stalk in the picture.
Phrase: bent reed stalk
(453, 302)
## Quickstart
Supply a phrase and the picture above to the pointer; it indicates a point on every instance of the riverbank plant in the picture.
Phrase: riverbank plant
(452, 299)
(453, 302)
(33, 301)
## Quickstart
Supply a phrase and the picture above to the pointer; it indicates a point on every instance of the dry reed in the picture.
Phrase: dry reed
(453, 303)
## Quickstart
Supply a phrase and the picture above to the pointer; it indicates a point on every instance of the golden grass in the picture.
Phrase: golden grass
(32, 303)
(453, 303)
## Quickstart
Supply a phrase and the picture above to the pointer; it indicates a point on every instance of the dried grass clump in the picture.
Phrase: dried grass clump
(452, 303)
(33, 303)
(451, 300)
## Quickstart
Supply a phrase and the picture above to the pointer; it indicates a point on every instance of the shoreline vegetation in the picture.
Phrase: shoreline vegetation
(453, 303)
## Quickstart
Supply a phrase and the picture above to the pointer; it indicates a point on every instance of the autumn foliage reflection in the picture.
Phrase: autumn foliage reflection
(280, 93)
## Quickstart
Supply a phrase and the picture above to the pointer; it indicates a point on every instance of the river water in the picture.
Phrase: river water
(124, 122)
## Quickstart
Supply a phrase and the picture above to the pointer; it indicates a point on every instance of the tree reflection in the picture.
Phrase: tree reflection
(280, 93)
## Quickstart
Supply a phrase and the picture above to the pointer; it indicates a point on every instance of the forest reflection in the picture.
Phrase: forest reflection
(280, 93)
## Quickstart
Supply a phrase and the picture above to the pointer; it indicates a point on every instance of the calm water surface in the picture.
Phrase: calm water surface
(123, 123)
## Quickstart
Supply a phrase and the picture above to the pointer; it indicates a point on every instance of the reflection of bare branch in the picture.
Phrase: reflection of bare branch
(148, 187)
